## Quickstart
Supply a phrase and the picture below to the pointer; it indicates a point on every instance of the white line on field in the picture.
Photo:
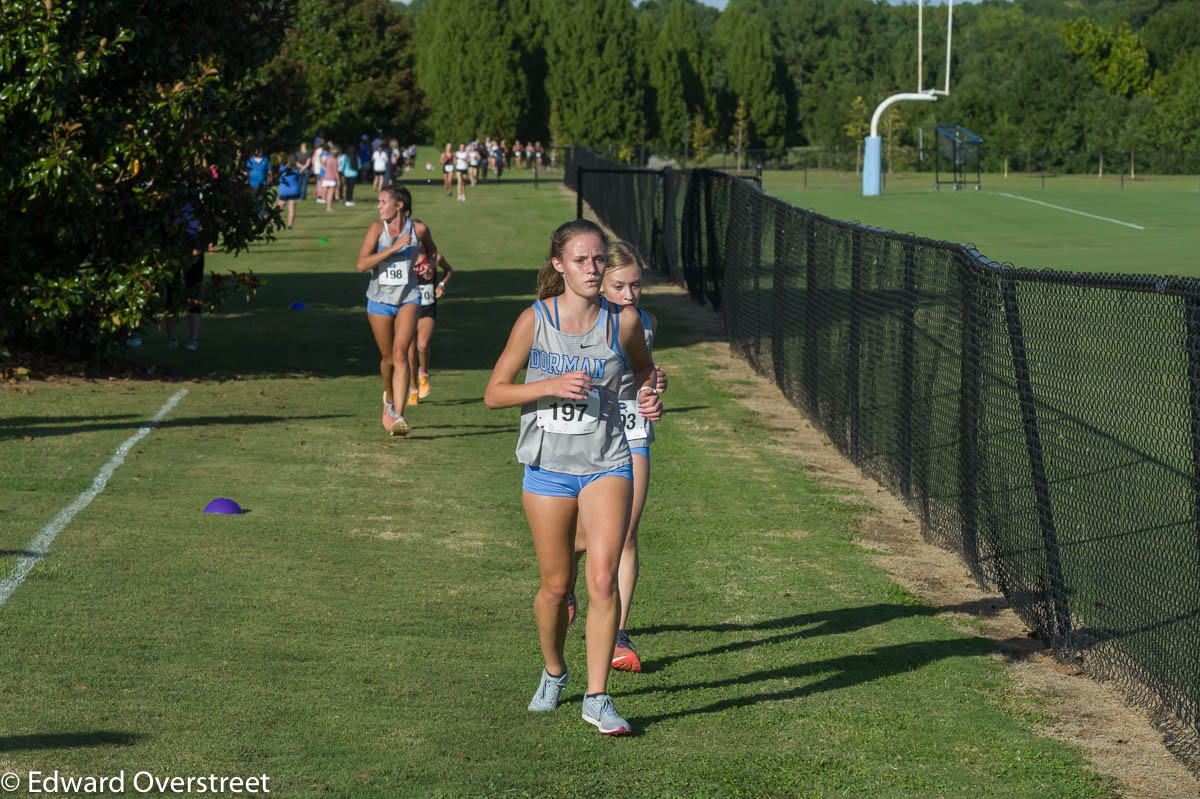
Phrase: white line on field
(40, 545)
(1071, 210)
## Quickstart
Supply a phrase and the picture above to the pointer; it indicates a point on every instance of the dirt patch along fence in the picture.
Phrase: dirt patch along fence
(1044, 425)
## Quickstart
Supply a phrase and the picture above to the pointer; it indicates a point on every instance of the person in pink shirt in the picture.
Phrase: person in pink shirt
(329, 179)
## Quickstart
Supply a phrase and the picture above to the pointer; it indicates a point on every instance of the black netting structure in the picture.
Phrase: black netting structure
(1044, 425)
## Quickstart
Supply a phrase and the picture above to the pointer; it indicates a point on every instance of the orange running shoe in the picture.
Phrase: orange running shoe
(412, 396)
(624, 658)
(423, 384)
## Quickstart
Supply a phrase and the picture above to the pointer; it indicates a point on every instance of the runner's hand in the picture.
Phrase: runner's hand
(570, 385)
(661, 386)
(650, 405)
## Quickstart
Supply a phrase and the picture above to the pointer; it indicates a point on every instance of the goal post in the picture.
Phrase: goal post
(872, 152)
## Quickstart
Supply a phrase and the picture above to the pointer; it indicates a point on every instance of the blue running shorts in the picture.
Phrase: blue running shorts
(546, 483)
(385, 309)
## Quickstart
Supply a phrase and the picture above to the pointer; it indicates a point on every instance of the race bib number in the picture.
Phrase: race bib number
(427, 295)
(395, 273)
(571, 416)
(635, 425)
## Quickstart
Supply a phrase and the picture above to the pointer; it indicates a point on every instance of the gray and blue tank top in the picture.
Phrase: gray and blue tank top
(638, 429)
(394, 281)
(578, 437)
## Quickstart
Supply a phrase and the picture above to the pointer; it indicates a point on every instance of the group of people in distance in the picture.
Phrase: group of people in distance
(590, 395)
(472, 160)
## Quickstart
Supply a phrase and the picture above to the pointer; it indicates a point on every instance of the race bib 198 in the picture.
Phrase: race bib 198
(635, 425)
(427, 295)
(571, 416)
(395, 273)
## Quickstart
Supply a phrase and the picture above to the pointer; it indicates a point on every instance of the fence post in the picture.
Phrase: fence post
(852, 365)
(811, 328)
(782, 299)
(904, 415)
(1192, 305)
(1061, 621)
(970, 379)
(579, 192)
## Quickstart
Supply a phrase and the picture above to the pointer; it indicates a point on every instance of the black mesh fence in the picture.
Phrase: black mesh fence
(1044, 425)
(1110, 162)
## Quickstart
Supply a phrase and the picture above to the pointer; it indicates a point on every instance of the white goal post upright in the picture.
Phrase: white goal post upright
(872, 154)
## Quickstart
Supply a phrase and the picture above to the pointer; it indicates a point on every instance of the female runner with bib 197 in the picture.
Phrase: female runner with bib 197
(389, 252)
(575, 346)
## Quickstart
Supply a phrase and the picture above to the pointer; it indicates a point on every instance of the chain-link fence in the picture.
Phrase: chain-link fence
(1107, 162)
(1044, 425)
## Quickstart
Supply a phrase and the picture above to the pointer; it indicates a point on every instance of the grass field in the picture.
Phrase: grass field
(1027, 234)
(366, 630)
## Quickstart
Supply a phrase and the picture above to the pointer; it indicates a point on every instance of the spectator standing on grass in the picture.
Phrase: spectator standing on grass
(574, 346)
(329, 178)
(364, 158)
(379, 165)
(318, 170)
(304, 164)
(289, 188)
(186, 285)
(348, 166)
(258, 169)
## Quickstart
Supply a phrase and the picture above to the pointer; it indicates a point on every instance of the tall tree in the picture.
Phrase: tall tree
(346, 68)
(754, 72)
(594, 78)
(113, 124)
(475, 84)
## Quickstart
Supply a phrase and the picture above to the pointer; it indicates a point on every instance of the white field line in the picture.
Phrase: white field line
(40, 545)
(1072, 210)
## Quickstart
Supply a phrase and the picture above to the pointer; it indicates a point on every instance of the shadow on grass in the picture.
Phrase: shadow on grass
(67, 740)
(833, 673)
(45, 430)
(419, 434)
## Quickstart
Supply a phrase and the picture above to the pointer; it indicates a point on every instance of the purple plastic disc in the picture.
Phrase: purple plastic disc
(223, 505)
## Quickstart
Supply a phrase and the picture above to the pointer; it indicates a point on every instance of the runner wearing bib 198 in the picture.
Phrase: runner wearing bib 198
(575, 347)
(622, 286)
(389, 252)
(418, 351)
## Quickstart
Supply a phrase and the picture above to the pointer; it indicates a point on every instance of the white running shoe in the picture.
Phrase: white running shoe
(599, 710)
(548, 690)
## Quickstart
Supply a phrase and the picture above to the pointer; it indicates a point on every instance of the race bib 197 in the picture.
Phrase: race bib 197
(395, 273)
(571, 416)
(634, 424)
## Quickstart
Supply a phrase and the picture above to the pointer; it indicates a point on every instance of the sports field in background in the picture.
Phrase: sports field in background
(366, 628)
(1025, 233)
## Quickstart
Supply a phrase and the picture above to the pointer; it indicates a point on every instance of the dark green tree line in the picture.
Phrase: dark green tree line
(124, 143)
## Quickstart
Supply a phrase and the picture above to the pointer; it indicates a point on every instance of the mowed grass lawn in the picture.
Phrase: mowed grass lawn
(366, 628)
(1020, 232)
